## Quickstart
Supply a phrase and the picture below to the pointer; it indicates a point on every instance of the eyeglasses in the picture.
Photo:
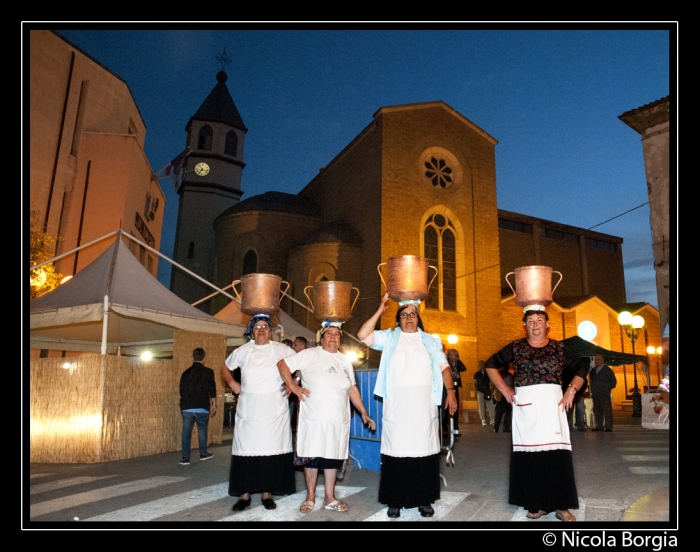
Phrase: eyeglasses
(412, 314)
(262, 327)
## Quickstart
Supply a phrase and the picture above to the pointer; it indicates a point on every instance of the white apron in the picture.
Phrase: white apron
(410, 418)
(324, 416)
(538, 422)
(262, 424)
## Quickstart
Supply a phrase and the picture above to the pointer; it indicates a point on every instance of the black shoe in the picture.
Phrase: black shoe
(185, 461)
(426, 511)
(206, 456)
(582, 429)
(595, 429)
(495, 430)
(608, 430)
(241, 505)
(393, 512)
(269, 503)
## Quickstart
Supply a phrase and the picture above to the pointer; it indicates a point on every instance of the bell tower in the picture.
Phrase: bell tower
(211, 182)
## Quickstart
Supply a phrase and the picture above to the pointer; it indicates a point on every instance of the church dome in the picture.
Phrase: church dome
(275, 201)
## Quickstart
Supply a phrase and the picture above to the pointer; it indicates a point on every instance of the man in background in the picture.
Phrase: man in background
(456, 367)
(300, 343)
(482, 384)
(603, 381)
(197, 403)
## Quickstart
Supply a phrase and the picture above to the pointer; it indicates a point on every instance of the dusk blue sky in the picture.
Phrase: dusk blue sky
(550, 97)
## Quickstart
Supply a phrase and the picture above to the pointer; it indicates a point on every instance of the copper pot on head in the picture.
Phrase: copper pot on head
(407, 277)
(260, 293)
(332, 300)
(533, 285)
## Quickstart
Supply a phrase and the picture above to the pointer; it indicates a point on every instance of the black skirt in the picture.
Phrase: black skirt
(409, 482)
(543, 480)
(324, 463)
(262, 474)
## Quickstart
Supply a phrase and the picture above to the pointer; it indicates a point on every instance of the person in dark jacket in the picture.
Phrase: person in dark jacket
(198, 403)
(456, 367)
(603, 381)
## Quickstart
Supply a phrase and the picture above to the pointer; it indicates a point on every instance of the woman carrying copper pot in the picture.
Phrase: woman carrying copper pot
(541, 466)
(323, 434)
(411, 376)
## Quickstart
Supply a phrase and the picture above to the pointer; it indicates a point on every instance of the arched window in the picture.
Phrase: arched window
(205, 137)
(250, 262)
(231, 144)
(439, 248)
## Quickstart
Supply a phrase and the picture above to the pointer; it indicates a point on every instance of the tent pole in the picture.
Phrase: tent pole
(103, 350)
(132, 238)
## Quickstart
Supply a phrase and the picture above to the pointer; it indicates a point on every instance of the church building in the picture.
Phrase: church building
(419, 179)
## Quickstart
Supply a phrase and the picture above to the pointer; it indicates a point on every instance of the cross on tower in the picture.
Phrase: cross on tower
(223, 59)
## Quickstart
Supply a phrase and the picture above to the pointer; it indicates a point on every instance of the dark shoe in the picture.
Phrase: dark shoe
(393, 512)
(506, 431)
(206, 456)
(608, 430)
(185, 461)
(582, 429)
(426, 511)
(241, 505)
(595, 429)
(495, 430)
(269, 503)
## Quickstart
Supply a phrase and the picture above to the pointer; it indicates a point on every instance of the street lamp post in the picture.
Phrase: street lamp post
(632, 325)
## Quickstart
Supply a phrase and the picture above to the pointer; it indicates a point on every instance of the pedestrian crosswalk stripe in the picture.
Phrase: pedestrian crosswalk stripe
(165, 506)
(645, 457)
(645, 442)
(63, 483)
(288, 507)
(649, 470)
(643, 449)
(41, 508)
(448, 501)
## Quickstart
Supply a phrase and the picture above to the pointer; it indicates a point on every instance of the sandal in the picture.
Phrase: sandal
(306, 507)
(536, 515)
(337, 506)
(564, 515)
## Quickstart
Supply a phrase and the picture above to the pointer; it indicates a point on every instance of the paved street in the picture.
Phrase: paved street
(621, 476)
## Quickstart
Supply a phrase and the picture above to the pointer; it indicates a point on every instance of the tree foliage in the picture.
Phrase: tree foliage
(45, 278)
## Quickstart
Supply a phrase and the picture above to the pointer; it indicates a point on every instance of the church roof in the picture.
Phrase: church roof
(335, 232)
(275, 201)
(218, 107)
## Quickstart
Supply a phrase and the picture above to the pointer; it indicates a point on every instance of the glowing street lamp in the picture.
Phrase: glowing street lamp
(632, 325)
(452, 339)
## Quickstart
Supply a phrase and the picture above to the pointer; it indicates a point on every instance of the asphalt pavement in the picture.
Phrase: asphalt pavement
(621, 476)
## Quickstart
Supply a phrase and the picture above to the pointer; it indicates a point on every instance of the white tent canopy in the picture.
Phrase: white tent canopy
(140, 310)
